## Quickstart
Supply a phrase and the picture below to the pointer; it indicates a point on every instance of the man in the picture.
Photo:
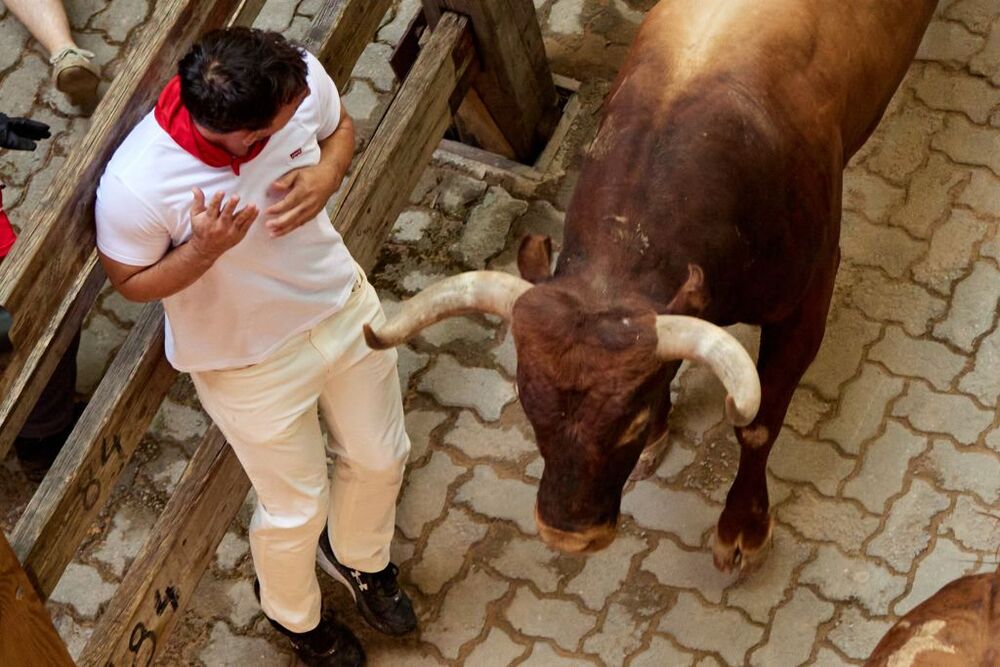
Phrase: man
(264, 308)
(73, 70)
(55, 413)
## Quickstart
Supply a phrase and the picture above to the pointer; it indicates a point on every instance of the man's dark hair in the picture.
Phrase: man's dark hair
(238, 78)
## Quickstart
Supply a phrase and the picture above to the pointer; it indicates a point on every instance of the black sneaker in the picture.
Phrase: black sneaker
(329, 644)
(379, 598)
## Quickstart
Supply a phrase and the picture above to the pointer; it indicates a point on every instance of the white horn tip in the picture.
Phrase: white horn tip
(738, 416)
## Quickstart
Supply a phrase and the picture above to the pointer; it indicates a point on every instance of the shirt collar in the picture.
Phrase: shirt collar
(174, 118)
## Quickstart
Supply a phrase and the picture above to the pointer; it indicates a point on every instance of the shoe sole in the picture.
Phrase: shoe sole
(370, 618)
(80, 86)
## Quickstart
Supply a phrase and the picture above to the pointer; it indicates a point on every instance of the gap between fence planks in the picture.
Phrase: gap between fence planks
(340, 31)
(515, 82)
(27, 637)
(160, 582)
(402, 146)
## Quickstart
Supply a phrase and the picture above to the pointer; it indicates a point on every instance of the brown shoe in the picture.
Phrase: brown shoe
(76, 76)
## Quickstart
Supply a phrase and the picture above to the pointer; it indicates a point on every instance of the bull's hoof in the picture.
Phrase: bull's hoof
(650, 459)
(747, 552)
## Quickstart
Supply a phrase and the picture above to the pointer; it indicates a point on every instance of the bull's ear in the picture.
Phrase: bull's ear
(534, 258)
(692, 298)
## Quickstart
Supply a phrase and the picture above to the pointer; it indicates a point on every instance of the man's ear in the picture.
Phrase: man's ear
(692, 298)
(534, 258)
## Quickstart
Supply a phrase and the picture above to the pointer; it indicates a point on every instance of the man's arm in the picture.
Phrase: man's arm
(308, 189)
(215, 229)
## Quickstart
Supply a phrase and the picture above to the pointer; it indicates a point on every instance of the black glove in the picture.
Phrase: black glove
(20, 134)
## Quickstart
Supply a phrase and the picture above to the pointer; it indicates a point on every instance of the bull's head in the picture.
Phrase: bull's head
(589, 378)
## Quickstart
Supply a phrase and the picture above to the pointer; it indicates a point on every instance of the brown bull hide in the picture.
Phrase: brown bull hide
(959, 626)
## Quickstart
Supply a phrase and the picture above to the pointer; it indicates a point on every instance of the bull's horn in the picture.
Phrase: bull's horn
(681, 337)
(473, 292)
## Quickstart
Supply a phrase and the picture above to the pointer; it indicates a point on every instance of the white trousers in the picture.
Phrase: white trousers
(268, 413)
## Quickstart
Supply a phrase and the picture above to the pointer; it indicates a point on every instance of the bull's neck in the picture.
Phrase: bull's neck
(635, 218)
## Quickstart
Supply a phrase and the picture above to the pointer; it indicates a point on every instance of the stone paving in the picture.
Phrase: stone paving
(883, 480)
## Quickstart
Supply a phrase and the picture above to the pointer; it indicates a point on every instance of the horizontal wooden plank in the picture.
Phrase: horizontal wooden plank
(408, 48)
(163, 577)
(27, 637)
(404, 141)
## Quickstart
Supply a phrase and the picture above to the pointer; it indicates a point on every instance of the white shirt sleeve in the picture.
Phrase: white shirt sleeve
(327, 97)
(128, 230)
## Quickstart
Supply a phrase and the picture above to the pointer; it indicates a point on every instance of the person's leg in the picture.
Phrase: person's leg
(362, 406)
(268, 413)
(54, 412)
(73, 72)
(45, 20)
(51, 420)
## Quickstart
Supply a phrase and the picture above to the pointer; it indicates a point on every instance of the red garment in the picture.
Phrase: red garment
(7, 235)
(176, 121)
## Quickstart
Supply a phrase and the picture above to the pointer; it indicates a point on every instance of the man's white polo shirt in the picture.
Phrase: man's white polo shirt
(264, 290)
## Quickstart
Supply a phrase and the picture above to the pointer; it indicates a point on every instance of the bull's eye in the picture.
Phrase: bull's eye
(635, 428)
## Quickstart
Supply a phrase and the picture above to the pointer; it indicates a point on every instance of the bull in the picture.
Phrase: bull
(711, 195)
(959, 626)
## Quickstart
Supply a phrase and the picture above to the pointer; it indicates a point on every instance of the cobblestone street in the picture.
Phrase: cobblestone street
(885, 482)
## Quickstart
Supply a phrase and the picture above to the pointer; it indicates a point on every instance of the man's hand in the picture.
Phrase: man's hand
(20, 134)
(216, 227)
(306, 191)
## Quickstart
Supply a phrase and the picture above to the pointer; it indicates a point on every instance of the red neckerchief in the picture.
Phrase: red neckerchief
(7, 235)
(176, 121)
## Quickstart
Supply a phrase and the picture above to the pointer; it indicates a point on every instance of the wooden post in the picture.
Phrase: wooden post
(515, 83)
(404, 141)
(340, 31)
(52, 277)
(27, 637)
(165, 573)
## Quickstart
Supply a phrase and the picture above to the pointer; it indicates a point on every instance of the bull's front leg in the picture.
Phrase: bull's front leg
(658, 441)
(743, 534)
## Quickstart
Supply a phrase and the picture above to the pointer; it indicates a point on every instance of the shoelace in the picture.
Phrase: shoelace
(71, 50)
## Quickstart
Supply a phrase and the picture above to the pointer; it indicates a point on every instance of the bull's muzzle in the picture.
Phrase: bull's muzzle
(585, 541)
